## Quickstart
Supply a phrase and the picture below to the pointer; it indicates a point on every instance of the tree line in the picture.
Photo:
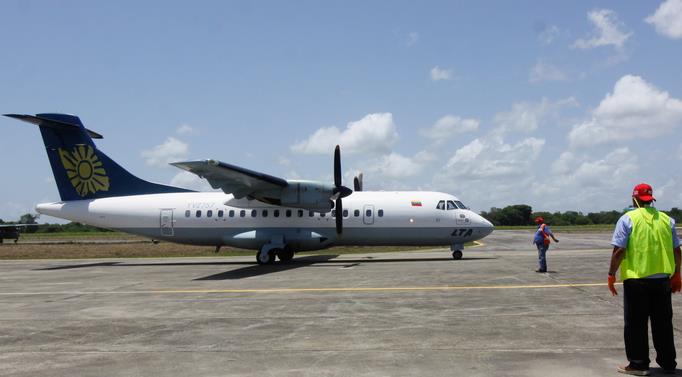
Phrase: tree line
(71, 227)
(523, 214)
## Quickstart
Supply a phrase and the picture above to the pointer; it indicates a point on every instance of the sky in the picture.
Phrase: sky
(559, 105)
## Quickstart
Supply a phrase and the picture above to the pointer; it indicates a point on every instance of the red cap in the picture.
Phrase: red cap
(643, 192)
(539, 220)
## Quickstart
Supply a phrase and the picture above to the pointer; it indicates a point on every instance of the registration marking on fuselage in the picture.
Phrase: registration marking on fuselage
(313, 290)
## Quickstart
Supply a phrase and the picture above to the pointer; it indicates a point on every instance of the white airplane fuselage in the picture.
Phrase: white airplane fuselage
(214, 218)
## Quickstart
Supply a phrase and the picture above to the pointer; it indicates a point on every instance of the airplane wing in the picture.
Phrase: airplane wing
(233, 179)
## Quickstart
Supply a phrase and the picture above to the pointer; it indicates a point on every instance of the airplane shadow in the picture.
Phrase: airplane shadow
(257, 270)
(252, 269)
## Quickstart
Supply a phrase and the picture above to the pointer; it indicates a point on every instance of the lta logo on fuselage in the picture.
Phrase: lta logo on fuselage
(84, 170)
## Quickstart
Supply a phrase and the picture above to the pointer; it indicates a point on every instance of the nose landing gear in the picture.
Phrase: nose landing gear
(457, 250)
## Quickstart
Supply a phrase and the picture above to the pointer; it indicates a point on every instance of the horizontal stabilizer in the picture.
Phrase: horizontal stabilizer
(63, 121)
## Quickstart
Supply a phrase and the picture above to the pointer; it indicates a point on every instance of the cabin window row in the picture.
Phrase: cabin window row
(275, 213)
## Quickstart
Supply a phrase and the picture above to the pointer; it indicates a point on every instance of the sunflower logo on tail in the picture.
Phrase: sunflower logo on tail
(84, 170)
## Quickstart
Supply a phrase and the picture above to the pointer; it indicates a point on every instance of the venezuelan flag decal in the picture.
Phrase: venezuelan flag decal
(84, 170)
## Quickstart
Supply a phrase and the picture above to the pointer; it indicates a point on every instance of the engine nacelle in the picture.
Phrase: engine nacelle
(309, 195)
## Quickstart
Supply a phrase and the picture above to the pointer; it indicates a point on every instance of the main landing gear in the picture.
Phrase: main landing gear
(267, 254)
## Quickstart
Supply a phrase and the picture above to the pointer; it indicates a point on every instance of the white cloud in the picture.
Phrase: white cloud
(184, 129)
(635, 109)
(548, 34)
(438, 74)
(373, 134)
(582, 181)
(668, 19)
(191, 181)
(412, 39)
(448, 126)
(608, 31)
(543, 71)
(171, 150)
(493, 158)
(395, 166)
(527, 116)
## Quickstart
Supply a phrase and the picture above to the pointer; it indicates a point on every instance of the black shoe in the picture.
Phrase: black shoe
(540, 270)
(670, 371)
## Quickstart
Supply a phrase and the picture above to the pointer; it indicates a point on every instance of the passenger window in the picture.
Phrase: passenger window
(451, 205)
(322, 214)
(368, 213)
(188, 213)
(288, 213)
(265, 213)
(311, 213)
(300, 213)
(333, 213)
(221, 213)
(209, 213)
(345, 213)
(231, 213)
(461, 205)
(380, 213)
(198, 213)
(441, 205)
(254, 213)
(242, 213)
(356, 213)
(276, 213)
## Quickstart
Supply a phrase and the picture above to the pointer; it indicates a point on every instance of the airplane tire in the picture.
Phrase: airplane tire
(286, 254)
(457, 254)
(269, 259)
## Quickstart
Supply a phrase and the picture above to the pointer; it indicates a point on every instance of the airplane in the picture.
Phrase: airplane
(11, 231)
(274, 216)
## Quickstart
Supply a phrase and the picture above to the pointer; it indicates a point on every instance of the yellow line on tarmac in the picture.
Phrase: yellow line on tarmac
(303, 290)
(382, 289)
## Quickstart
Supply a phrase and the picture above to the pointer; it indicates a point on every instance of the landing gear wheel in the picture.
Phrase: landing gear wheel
(286, 254)
(457, 254)
(267, 257)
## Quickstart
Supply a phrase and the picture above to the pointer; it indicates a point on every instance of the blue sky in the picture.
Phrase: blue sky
(560, 105)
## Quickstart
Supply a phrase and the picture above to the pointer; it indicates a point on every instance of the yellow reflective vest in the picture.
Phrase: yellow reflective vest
(650, 245)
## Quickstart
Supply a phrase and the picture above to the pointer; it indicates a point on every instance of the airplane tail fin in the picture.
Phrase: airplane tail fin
(80, 170)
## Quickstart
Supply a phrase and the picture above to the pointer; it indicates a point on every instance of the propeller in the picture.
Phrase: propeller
(357, 182)
(340, 191)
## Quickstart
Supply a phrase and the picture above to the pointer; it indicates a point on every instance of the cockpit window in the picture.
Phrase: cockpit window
(460, 205)
(451, 205)
(441, 205)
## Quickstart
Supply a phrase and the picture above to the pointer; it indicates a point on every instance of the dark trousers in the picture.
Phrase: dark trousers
(646, 299)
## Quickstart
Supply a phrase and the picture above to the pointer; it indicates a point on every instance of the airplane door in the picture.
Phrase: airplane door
(166, 219)
(368, 214)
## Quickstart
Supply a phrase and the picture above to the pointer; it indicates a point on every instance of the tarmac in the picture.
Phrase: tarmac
(386, 314)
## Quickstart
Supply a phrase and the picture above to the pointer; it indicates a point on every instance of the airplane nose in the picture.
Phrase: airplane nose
(485, 226)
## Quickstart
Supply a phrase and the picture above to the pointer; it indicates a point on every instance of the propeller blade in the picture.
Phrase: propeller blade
(337, 166)
(357, 182)
(339, 216)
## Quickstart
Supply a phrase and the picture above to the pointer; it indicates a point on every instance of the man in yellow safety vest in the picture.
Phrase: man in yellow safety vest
(646, 248)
